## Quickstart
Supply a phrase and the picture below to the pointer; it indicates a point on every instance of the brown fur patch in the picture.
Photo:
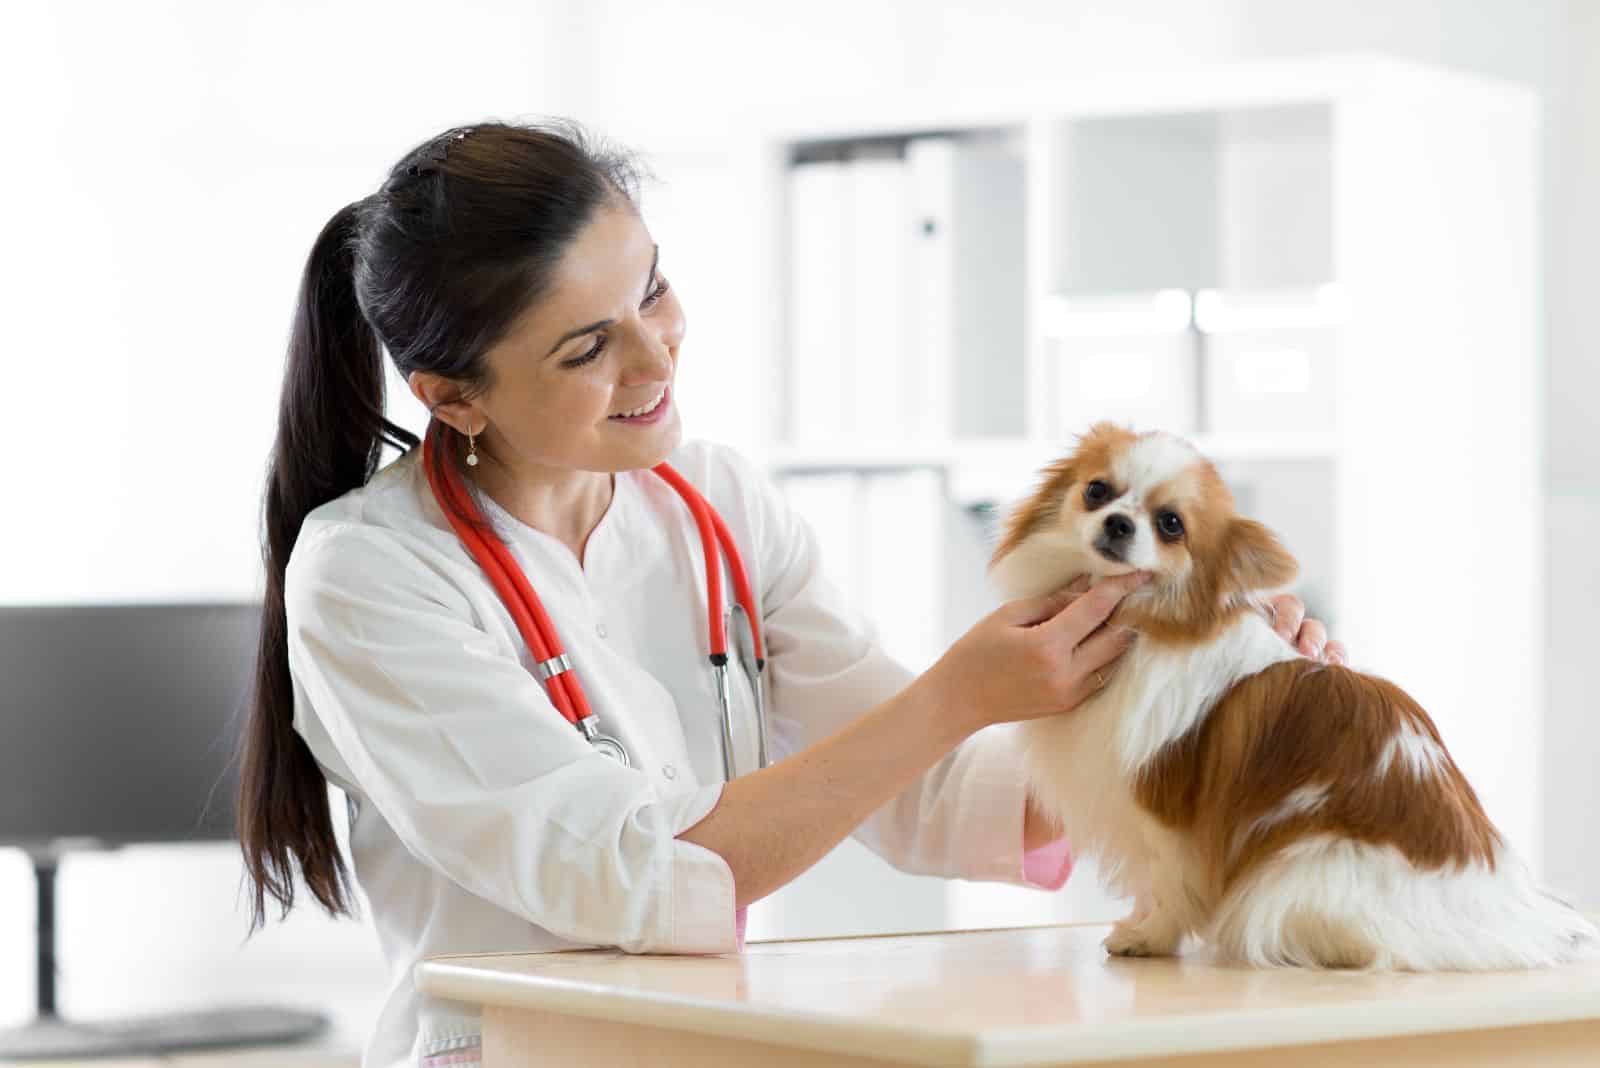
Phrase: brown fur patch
(1231, 558)
(1095, 448)
(1297, 724)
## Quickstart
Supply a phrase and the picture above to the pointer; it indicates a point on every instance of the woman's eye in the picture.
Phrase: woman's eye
(593, 353)
(1170, 524)
(1096, 492)
(658, 292)
(600, 342)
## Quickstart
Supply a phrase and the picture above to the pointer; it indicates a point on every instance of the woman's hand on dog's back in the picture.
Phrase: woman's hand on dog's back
(1034, 656)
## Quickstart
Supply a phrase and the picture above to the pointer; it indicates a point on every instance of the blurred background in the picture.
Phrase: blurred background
(1346, 248)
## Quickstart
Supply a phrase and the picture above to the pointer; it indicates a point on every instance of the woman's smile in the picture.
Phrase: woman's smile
(648, 413)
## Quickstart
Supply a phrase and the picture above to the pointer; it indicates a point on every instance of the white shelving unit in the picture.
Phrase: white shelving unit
(1352, 244)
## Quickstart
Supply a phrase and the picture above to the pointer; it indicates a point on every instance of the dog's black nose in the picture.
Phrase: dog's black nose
(1118, 527)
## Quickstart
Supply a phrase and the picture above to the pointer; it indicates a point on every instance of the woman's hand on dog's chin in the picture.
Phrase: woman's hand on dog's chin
(1032, 657)
(1307, 635)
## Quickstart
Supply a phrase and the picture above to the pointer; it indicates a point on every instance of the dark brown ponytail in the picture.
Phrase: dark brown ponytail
(462, 237)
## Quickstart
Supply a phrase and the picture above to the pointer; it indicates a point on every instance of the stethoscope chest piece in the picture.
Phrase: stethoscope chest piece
(603, 743)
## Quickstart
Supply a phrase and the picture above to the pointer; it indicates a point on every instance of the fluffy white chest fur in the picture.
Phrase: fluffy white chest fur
(1082, 766)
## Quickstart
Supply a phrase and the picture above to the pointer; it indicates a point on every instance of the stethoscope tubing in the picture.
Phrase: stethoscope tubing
(711, 527)
(537, 630)
(512, 585)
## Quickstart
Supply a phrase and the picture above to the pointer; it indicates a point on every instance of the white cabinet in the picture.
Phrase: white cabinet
(1127, 357)
(1323, 272)
(1270, 360)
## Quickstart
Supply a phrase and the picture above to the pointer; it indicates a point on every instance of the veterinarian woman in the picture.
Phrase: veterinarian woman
(519, 293)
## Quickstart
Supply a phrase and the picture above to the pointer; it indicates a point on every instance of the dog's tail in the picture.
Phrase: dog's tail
(1328, 901)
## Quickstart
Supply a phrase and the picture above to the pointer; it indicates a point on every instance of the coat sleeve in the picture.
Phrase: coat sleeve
(462, 751)
(963, 817)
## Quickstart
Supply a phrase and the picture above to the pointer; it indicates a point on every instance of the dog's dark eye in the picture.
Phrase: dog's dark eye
(1170, 525)
(1096, 493)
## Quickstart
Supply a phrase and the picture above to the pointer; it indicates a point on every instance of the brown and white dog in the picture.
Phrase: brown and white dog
(1286, 811)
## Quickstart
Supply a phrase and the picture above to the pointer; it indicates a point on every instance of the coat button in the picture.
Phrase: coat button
(669, 771)
(600, 629)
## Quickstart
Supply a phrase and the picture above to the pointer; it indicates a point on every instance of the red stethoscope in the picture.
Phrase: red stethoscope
(553, 664)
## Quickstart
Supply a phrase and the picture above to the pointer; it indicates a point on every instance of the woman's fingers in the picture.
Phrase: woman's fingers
(1027, 611)
(1287, 613)
(1096, 659)
(1102, 647)
(1075, 622)
(1313, 636)
(1308, 636)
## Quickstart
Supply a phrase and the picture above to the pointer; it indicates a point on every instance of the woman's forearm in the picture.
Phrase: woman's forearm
(774, 824)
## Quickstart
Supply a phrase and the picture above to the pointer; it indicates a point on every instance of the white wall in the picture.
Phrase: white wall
(1572, 265)
(169, 169)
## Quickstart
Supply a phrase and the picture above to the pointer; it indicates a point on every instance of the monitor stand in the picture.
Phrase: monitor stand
(50, 1036)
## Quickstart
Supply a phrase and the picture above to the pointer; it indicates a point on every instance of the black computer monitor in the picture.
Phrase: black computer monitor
(118, 721)
(118, 726)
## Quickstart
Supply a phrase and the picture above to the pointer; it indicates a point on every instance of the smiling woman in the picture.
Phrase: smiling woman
(557, 418)
(383, 274)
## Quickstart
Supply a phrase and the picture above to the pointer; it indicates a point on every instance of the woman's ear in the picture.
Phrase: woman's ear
(1256, 559)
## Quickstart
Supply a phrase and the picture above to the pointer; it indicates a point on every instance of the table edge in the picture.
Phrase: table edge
(1009, 1046)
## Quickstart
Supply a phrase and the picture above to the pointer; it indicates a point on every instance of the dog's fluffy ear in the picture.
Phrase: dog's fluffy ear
(1051, 483)
(1256, 559)
(1034, 510)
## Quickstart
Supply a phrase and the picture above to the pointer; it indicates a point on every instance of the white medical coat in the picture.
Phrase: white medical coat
(482, 821)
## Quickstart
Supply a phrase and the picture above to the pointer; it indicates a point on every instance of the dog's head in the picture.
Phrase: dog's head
(1123, 501)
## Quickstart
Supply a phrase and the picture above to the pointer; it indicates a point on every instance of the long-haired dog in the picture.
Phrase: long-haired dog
(1284, 810)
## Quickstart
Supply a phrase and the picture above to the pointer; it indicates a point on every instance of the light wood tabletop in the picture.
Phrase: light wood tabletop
(1012, 997)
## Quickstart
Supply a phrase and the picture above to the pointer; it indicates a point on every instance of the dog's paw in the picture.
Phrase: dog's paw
(1126, 940)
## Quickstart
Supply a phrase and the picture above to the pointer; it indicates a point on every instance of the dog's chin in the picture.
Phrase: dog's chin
(1101, 565)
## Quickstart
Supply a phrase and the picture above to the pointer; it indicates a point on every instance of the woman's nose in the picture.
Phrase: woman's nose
(653, 356)
(671, 332)
(650, 362)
